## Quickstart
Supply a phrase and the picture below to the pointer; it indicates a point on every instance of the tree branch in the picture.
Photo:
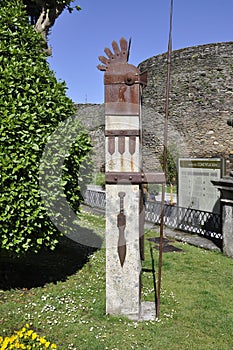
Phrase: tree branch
(43, 15)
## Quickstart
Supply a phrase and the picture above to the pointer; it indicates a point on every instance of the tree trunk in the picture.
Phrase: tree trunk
(43, 14)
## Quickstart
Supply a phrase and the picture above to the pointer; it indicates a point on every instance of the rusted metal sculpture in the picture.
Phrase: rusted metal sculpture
(122, 81)
(124, 179)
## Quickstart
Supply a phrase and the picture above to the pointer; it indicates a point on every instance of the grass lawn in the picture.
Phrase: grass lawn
(196, 310)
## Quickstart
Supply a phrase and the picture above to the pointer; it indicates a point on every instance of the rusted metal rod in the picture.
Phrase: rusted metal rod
(164, 159)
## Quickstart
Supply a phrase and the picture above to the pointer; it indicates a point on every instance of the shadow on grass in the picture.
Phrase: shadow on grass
(36, 270)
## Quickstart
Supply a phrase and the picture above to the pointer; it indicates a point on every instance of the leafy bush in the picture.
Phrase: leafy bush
(33, 105)
(99, 179)
(171, 165)
(154, 188)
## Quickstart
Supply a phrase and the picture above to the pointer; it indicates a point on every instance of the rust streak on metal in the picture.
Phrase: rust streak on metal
(111, 164)
(131, 164)
(122, 162)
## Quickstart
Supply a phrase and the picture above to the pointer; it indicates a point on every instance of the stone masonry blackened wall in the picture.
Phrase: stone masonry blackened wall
(201, 102)
(92, 118)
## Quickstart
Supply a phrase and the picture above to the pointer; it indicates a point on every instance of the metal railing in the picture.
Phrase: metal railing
(186, 219)
(95, 198)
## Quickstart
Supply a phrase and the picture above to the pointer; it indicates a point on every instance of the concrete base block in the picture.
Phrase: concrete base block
(148, 312)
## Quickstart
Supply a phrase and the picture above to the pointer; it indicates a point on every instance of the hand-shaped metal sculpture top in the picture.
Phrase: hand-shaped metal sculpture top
(122, 80)
(120, 55)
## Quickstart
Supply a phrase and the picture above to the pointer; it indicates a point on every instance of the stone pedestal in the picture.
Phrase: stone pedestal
(225, 185)
(123, 281)
(123, 261)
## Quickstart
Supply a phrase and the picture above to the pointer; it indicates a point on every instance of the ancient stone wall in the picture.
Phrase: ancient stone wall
(201, 102)
(92, 117)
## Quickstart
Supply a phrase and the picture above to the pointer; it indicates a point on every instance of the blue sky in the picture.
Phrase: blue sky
(78, 39)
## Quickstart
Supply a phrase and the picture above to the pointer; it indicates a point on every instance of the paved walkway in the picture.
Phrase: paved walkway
(190, 238)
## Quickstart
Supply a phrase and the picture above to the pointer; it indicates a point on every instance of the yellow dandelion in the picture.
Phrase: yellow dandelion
(17, 345)
(6, 340)
(20, 334)
(29, 333)
(53, 346)
(34, 335)
(5, 343)
(22, 346)
(42, 340)
(47, 344)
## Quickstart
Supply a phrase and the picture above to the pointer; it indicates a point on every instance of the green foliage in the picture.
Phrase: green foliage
(32, 104)
(171, 166)
(154, 188)
(100, 179)
(69, 7)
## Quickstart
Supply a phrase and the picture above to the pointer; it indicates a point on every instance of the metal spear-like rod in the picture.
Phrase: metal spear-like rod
(164, 159)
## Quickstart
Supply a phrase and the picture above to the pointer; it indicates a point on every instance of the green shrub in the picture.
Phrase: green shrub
(99, 179)
(171, 164)
(32, 104)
